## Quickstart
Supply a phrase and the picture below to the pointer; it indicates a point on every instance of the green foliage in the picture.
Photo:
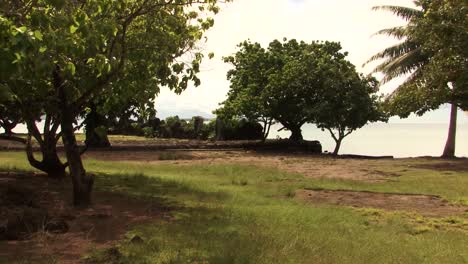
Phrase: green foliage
(443, 33)
(296, 82)
(432, 53)
(241, 129)
(349, 103)
(59, 57)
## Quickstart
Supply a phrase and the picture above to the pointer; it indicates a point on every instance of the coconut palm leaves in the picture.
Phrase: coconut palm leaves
(403, 58)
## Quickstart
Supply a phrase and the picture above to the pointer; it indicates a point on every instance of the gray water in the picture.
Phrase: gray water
(382, 139)
(397, 139)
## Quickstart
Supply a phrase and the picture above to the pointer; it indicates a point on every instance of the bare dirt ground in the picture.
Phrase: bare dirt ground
(97, 227)
(314, 166)
(426, 205)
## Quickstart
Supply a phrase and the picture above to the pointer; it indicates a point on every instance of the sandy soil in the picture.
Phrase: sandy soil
(427, 205)
(314, 166)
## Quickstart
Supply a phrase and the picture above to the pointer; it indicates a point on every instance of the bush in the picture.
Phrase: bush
(240, 129)
(149, 132)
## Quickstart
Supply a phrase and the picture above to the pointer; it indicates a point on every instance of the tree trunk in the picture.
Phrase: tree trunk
(449, 150)
(219, 128)
(96, 130)
(337, 146)
(51, 163)
(82, 182)
(296, 134)
(266, 130)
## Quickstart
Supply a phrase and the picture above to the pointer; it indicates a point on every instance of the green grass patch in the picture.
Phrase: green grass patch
(245, 214)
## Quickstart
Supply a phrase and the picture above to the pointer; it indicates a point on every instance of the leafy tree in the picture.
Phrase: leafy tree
(443, 33)
(285, 82)
(23, 89)
(65, 54)
(348, 103)
(432, 54)
(245, 96)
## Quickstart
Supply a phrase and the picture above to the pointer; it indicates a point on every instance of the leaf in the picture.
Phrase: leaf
(211, 55)
(38, 35)
(42, 49)
(71, 68)
(21, 29)
(73, 29)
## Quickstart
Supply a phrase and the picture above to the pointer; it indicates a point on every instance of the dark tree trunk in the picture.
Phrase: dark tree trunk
(449, 150)
(337, 146)
(82, 182)
(266, 129)
(296, 134)
(94, 122)
(50, 163)
(219, 130)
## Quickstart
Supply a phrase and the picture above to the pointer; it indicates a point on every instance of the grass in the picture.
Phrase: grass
(246, 214)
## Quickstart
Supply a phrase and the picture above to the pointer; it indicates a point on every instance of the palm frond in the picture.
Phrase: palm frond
(414, 77)
(393, 52)
(405, 64)
(406, 13)
(396, 32)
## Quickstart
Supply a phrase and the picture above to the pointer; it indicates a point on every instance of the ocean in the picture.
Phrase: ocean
(393, 139)
(382, 139)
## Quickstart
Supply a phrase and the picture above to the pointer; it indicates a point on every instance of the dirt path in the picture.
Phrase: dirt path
(427, 205)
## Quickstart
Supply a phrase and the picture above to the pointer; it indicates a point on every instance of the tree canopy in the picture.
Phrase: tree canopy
(433, 53)
(58, 57)
(294, 82)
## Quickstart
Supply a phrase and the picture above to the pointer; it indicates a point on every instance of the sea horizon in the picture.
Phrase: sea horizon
(400, 140)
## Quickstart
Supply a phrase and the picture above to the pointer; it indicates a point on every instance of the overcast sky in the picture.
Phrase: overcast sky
(350, 22)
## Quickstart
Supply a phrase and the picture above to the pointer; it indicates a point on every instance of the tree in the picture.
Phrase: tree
(404, 58)
(349, 103)
(284, 82)
(245, 96)
(443, 33)
(24, 90)
(9, 118)
(434, 66)
(67, 55)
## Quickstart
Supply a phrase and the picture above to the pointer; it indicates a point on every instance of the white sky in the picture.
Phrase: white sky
(351, 22)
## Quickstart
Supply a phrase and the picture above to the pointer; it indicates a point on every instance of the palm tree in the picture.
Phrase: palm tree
(405, 57)
(408, 59)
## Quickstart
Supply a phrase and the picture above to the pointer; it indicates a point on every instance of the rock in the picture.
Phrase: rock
(57, 226)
